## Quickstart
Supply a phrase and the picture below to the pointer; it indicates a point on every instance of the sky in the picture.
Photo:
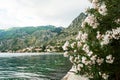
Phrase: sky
(20, 13)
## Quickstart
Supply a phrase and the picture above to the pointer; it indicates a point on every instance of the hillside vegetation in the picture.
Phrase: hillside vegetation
(19, 38)
(42, 38)
(70, 32)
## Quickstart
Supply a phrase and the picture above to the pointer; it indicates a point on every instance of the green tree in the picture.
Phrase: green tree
(96, 51)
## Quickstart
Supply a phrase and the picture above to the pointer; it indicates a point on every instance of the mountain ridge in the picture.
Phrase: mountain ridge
(18, 38)
(46, 37)
(71, 31)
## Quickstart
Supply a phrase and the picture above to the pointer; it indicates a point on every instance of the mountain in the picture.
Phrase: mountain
(19, 38)
(40, 38)
(70, 32)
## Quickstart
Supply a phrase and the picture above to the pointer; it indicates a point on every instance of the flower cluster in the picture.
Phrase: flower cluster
(109, 35)
(65, 46)
(117, 21)
(82, 37)
(96, 4)
(99, 61)
(86, 55)
(86, 49)
(110, 59)
(90, 20)
(79, 67)
(102, 9)
(88, 59)
(104, 75)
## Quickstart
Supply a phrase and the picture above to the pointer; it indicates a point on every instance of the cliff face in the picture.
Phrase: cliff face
(71, 31)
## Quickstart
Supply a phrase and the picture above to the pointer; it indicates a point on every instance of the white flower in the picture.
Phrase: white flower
(77, 60)
(104, 42)
(92, 21)
(90, 53)
(117, 21)
(66, 54)
(65, 46)
(75, 51)
(71, 58)
(109, 32)
(105, 76)
(88, 62)
(116, 33)
(84, 59)
(95, 25)
(99, 36)
(73, 44)
(100, 73)
(93, 58)
(79, 35)
(103, 10)
(109, 35)
(83, 24)
(100, 61)
(109, 59)
(79, 66)
(79, 44)
(95, 4)
(106, 39)
(85, 48)
(84, 37)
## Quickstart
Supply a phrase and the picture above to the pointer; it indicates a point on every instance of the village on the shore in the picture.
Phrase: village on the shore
(37, 49)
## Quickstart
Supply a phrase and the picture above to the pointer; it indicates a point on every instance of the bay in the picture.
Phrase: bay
(33, 66)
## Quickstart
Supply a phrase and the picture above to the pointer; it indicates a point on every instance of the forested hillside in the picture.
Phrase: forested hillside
(40, 38)
(19, 38)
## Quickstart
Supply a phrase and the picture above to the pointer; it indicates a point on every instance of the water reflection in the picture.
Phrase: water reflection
(36, 67)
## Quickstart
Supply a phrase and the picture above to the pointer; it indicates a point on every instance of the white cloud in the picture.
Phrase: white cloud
(39, 12)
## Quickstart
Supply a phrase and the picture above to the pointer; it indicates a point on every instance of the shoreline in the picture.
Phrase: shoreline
(27, 54)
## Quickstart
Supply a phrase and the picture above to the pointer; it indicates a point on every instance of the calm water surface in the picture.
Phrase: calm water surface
(33, 66)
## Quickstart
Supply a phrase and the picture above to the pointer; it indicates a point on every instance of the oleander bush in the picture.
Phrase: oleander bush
(95, 52)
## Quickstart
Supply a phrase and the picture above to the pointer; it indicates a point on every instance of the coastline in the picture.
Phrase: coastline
(27, 54)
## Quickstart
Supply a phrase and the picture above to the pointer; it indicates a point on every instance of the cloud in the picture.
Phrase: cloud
(39, 12)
